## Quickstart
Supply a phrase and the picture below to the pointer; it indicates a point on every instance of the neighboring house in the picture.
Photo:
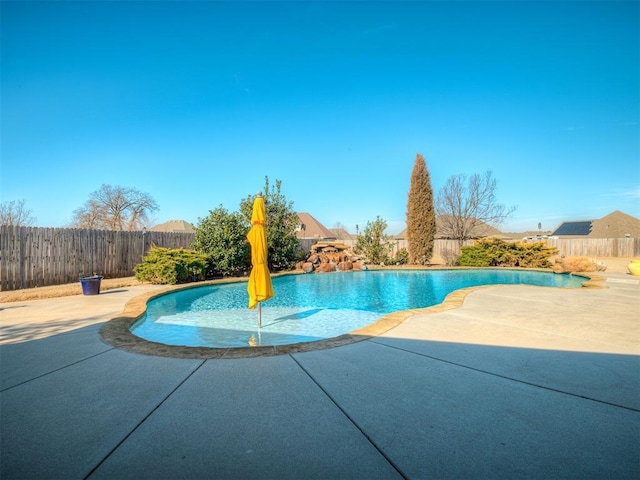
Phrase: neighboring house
(173, 226)
(342, 234)
(615, 225)
(309, 227)
(530, 235)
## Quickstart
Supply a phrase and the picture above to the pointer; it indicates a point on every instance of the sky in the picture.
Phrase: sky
(196, 103)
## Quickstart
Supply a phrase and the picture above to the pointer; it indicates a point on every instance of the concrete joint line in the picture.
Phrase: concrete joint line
(151, 412)
(353, 422)
(509, 378)
(56, 370)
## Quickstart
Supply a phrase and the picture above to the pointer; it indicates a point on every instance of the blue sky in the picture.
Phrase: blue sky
(196, 102)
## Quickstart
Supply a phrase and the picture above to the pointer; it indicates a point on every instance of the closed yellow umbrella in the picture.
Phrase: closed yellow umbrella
(259, 286)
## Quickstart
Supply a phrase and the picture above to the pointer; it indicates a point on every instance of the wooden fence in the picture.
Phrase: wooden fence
(579, 247)
(596, 247)
(443, 249)
(36, 257)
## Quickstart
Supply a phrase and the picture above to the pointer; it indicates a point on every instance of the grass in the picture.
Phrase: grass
(67, 289)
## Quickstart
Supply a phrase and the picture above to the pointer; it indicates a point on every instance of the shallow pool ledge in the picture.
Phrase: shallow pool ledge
(116, 332)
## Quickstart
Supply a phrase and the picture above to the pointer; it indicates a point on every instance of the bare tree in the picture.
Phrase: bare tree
(115, 208)
(16, 213)
(466, 205)
(339, 225)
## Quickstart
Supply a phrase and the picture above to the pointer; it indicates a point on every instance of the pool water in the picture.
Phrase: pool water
(312, 307)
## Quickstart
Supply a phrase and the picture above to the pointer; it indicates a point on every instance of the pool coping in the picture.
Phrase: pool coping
(116, 332)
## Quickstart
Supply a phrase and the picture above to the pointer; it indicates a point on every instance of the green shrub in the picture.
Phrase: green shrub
(402, 257)
(474, 257)
(498, 253)
(171, 266)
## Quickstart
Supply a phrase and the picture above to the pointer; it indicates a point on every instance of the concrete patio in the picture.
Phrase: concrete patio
(518, 382)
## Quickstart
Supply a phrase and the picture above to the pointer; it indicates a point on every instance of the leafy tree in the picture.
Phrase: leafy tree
(115, 208)
(373, 243)
(281, 224)
(16, 213)
(222, 237)
(421, 217)
(464, 204)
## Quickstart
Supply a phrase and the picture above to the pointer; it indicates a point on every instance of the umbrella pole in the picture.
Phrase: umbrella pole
(259, 314)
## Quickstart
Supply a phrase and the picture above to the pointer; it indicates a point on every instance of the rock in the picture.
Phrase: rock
(327, 267)
(343, 266)
(334, 257)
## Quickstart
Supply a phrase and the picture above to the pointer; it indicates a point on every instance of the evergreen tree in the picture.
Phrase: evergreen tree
(373, 244)
(421, 218)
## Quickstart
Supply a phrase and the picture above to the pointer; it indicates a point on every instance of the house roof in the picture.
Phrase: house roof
(173, 226)
(342, 234)
(312, 228)
(615, 225)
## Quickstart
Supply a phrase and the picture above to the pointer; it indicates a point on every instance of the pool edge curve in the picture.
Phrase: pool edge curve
(116, 332)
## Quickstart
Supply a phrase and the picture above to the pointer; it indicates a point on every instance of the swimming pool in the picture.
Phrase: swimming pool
(307, 308)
